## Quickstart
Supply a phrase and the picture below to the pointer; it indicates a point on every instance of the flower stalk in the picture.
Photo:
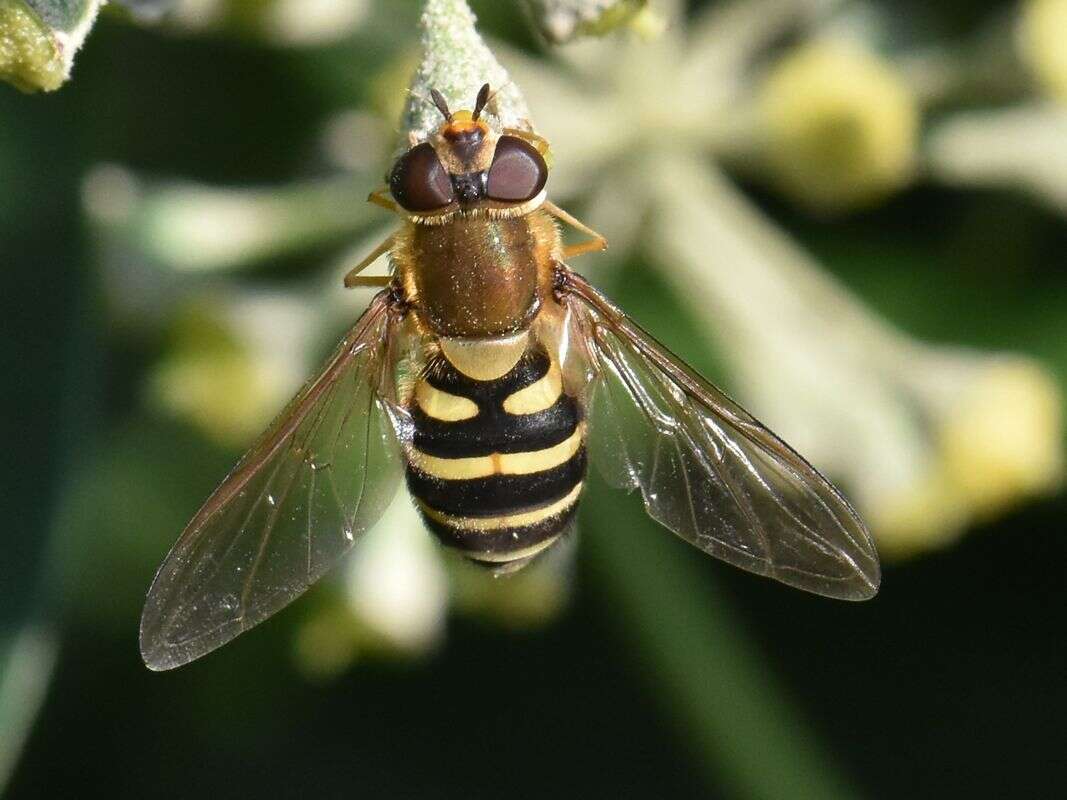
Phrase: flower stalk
(456, 62)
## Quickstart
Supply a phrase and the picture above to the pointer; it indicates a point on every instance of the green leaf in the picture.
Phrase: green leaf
(742, 728)
(38, 40)
(120, 512)
(26, 662)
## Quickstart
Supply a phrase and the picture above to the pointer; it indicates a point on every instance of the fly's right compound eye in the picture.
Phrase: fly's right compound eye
(518, 172)
(419, 181)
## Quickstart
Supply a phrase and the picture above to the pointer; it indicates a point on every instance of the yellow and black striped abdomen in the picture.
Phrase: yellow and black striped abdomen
(496, 466)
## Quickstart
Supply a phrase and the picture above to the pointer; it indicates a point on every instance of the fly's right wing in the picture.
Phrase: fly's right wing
(320, 476)
(707, 469)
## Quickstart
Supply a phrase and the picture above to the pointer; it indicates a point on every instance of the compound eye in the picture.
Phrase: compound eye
(518, 172)
(420, 182)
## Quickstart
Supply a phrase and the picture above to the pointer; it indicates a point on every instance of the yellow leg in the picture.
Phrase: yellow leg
(380, 197)
(351, 279)
(539, 142)
(595, 243)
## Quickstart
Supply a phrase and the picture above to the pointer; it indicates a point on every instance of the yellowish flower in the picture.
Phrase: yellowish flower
(397, 590)
(996, 440)
(873, 408)
(396, 583)
(1041, 34)
(924, 514)
(1003, 441)
(925, 439)
(841, 125)
(1023, 147)
(231, 367)
(394, 599)
(218, 390)
(195, 227)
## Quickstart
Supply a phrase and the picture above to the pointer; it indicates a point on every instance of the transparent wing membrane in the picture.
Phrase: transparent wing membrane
(322, 475)
(706, 469)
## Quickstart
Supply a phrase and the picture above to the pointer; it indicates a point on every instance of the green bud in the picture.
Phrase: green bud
(38, 40)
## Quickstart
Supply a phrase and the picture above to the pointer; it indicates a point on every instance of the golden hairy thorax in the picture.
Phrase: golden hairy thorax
(478, 276)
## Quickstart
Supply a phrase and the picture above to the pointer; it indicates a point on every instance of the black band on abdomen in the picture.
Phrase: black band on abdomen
(531, 367)
(497, 494)
(495, 431)
(501, 541)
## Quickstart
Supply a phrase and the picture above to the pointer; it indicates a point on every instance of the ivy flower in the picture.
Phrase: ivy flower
(925, 438)
(1021, 145)
(843, 386)
(233, 361)
(841, 124)
(1041, 30)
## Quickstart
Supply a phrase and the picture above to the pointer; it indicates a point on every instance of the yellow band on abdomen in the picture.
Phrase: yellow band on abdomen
(456, 469)
(538, 395)
(442, 405)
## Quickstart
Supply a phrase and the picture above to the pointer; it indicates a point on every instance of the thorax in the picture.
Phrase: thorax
(476, 276)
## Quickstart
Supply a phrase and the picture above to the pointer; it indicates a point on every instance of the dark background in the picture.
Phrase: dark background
(949, 684)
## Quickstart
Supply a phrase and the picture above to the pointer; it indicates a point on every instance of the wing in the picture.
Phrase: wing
(320, 476)
(708, 470)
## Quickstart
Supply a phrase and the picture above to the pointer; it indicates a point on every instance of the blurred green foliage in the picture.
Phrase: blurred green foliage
(667, 675)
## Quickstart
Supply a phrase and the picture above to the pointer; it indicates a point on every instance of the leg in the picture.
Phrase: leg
(594, 244)
(351, 278)
(539, 142)
(380, 197)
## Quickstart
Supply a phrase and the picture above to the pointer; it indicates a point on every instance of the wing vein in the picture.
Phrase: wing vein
(237, 562)
(749, 497)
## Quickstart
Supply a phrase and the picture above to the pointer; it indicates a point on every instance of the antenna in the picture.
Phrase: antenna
(479, 104)
(442, 106)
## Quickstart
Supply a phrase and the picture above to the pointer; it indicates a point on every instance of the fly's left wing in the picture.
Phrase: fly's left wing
(707, 469)
(320, 476)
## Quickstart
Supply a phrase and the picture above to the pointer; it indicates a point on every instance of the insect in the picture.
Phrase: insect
(488, 374)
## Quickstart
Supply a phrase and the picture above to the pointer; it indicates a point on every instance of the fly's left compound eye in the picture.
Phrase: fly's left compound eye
(419, 181)
(518, 172)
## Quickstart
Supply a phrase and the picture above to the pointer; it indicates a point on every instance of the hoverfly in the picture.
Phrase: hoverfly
(489, 374)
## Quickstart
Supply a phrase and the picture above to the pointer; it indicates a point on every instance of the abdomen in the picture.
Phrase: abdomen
(496, 466)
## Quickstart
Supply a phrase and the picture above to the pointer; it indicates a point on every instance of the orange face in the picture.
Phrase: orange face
(466, 165)
(466, 143)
